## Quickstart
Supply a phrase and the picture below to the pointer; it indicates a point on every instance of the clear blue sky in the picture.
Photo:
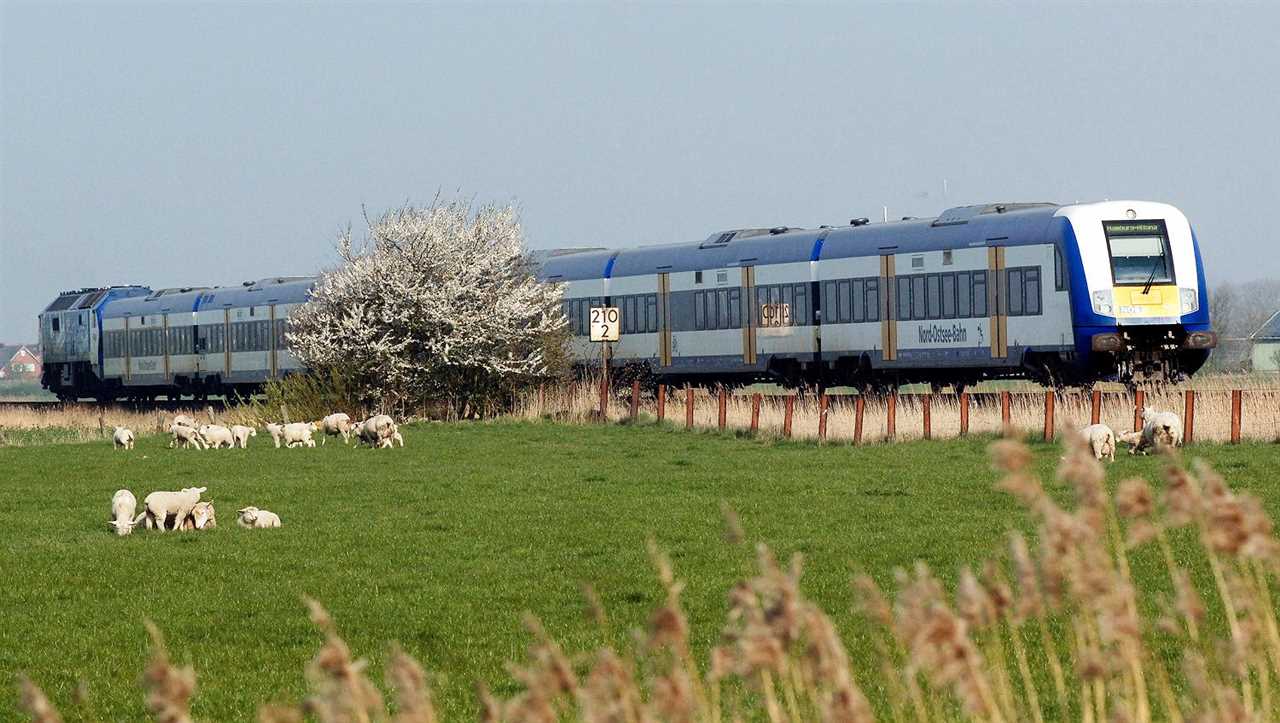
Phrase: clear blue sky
(178, 144)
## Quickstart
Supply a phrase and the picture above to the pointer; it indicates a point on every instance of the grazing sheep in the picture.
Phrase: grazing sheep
(334, 425)
(1133, 439)
(123, 506)
(379, 431)
(276, 431)
(202, 517)
(184, 436)
(241, 434)
(216, 435)
(396, 436)
(299, 433)
(123, 438)
(252, 517)
(159, 506)
(1159, 430)
(1101, 440)
(185, 421)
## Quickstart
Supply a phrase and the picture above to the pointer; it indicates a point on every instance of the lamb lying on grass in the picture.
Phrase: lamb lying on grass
(160, 506)
(1101, 440)
(240, 434)
(123, 506)
(123, 438)
(254, 518)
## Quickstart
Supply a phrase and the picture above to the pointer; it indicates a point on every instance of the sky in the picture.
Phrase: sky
(176, 144)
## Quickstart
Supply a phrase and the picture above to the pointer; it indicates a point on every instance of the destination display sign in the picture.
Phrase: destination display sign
(1131, 227)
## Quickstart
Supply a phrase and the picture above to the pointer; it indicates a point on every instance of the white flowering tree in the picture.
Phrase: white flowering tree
(439, 303)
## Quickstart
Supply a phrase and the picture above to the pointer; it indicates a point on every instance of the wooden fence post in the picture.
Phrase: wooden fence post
(891, 416)
(723, 401)
(964, 413)
(604, 397)
(1237, 404)
(925, 410)
(786, 415)
(662, 402)
(859, 406)
(1049, 399)
(1139, 402)
(635, 399)
(688, 407)
(1004, 411)
(1189, 417)
(822, 418)
(755, 412)
(542, 399)
(1095, 407)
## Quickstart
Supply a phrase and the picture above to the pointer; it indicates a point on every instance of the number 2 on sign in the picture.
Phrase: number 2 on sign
(604, 323)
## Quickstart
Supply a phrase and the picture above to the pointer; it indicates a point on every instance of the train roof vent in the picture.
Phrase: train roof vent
(91, 299)
(63, 302)
(719, 239)
(964, 214)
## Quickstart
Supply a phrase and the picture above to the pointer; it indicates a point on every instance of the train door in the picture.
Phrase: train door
(128, 352)
(888, 315)
(997, 303)
(664, 319)
(272, 333)
(748, 313)
(226, 345)
(164, 338)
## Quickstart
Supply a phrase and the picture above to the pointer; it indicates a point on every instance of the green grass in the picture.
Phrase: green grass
(443, 544)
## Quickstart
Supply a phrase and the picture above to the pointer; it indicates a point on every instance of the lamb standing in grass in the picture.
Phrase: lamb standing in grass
(123, 507)
(202, 517)
(1101, 440)
(185, 421)
(123, 438)
(184, 436)
(254, 518)
(216, 435)
(334, 425)
(159, 506)
(276, 431)
(241, 434)
(299, 433)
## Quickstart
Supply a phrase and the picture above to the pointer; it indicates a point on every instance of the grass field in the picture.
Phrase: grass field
(443, 544)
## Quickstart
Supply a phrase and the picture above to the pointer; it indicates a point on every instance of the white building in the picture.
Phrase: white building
(1266, 345)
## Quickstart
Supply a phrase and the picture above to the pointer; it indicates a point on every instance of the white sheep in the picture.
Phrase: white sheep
(379, 431)
(123, 438)
(1101, 439)
(216, 435)
(241, 434)
(334, 425)
(123, 507)
(276, 431)
(202, 517)
(185, 421)
(1159, 429)
(184, 436)
(1133, 439)
(299, 433)
(252, 517)
(159, 506)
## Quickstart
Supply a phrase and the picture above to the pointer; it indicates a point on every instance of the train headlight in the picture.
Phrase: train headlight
(1102, 302)
(1190, 300)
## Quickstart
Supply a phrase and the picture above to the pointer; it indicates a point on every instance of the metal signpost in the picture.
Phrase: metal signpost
(605, 327)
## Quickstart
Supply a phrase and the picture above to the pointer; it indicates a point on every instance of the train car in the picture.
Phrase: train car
(1065, 295)
(139, 343)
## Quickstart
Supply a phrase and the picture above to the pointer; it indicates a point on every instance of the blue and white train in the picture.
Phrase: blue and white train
(1065, 295)
(136, 343)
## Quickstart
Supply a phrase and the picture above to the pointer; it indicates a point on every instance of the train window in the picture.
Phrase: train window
(697, 277)
(979, 293)
(800, 315)
(904, 297)
(828, 309)
(964, 294)
(722, 309)
(1031, 280)
(842, 312)
(873, 300)
(651, 313)
(935, 296)
(948, 296)
(858, 300)
(1139, 252)
(946, 258)
(699, 311)
(735, 308)
(1015, 306)
(54, 324)
(1059, 271)
(918, 309)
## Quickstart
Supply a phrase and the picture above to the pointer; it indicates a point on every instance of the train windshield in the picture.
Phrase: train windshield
(1139, 253)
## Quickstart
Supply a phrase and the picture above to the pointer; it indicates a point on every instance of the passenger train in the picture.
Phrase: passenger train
(1061, 294)
(1064, 295)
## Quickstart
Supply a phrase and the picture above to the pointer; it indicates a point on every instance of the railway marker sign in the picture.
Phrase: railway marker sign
(605, 323)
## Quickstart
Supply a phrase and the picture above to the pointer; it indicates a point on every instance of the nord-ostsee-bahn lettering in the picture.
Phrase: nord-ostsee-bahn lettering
(1066, 294)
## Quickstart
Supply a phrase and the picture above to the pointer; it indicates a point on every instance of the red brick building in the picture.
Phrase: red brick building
(19, 362)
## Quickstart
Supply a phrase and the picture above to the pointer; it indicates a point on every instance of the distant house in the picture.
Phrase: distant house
(19, 362)
(1266, 345)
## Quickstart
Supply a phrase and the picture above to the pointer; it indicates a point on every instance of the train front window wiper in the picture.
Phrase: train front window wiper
(1151, 279)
